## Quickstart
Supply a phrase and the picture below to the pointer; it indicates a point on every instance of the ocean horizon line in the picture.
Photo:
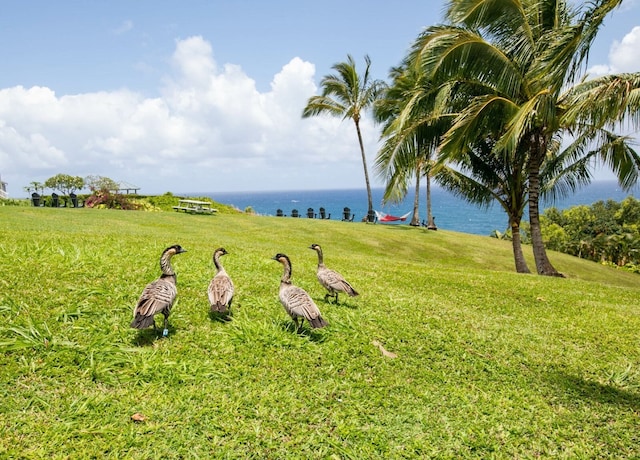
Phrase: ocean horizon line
(363, 188)
(449, 211)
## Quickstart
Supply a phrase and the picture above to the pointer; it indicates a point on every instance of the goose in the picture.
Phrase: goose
(332, 281)
(295, 300)
(221, 287)
(159, 295)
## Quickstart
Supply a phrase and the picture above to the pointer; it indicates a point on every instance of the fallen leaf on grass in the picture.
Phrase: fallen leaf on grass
(385, 353)
(138, 417)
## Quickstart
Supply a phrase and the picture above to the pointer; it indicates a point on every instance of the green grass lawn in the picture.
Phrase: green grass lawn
(490, 364)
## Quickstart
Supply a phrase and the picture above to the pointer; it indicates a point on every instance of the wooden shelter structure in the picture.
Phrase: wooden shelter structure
(125, 187)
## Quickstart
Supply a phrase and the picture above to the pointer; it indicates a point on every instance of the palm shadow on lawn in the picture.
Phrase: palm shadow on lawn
(405, 228)
(576, 386)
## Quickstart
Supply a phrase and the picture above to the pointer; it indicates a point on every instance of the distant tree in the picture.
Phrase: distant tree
(96, 183)
(65, 183)
(606, 231)
(37, 187)
(347, 95)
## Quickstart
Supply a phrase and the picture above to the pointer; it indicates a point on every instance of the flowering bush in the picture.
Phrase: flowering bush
(106, 199)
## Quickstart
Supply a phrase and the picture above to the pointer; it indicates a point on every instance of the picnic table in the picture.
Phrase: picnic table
(195, 207)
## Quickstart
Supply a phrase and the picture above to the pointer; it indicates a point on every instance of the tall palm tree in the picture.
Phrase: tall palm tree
(410, 136)
(399, 166)
(524, 58)
(481, 177)
(347, 94)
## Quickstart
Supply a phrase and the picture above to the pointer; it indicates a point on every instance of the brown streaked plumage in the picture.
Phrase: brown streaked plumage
(221, 287)
(159, 295)
(332, 281)
(295, 300)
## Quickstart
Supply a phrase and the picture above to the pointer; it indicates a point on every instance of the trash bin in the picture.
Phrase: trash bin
(35, 199)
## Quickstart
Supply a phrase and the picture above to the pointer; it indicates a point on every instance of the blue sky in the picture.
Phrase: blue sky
(206, 95)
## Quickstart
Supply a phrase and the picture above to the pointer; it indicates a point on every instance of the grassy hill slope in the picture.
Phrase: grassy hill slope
(488, 362)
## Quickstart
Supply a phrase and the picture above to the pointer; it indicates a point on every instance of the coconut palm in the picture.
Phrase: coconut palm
(523, 60)
(410, 136)
(481, 177)
(347, 94)
(401, 164)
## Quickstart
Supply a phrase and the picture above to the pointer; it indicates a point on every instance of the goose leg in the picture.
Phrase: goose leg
(165, 331)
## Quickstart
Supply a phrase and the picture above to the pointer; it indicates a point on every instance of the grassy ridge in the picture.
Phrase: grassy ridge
(490, 363)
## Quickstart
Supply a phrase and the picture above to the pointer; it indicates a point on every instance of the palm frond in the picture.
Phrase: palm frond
(318, 105)
(606, 101)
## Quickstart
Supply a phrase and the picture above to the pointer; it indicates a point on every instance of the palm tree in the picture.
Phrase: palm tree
(410, 136)
(523, 61)
(480, 177)
(347, 94)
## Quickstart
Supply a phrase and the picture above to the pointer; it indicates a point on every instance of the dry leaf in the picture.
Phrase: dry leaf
(385, 353)
(138, 417)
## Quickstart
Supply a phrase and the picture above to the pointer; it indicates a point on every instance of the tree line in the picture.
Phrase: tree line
(104, 190)
(605, 232)
(495, 105)
(67, 184)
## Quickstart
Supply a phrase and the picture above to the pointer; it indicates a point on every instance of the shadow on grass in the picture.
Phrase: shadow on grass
(146, 337)
(218, 317)
(314, 335)
(321, 300)
(575, 386)
(406, 227)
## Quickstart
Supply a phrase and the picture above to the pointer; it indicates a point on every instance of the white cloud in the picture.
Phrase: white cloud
(624, 56)
(210, 129)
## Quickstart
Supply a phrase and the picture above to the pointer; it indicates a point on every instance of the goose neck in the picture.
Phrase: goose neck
(165, 265)
(286, 275)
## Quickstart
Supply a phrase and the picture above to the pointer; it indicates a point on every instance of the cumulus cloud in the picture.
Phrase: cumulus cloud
(209, 129)
(624, 56)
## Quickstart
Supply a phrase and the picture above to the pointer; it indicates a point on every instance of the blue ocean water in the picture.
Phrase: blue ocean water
(451, 213)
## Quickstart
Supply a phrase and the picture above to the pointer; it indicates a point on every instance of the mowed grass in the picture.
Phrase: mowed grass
(490, 364)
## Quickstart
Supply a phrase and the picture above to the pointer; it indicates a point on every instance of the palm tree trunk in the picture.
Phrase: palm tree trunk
(516, 242)
(543, 265)
(415, 220)
(431, 223)
(370, 214)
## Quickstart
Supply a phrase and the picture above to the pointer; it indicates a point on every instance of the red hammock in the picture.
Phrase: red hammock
(382, 217)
